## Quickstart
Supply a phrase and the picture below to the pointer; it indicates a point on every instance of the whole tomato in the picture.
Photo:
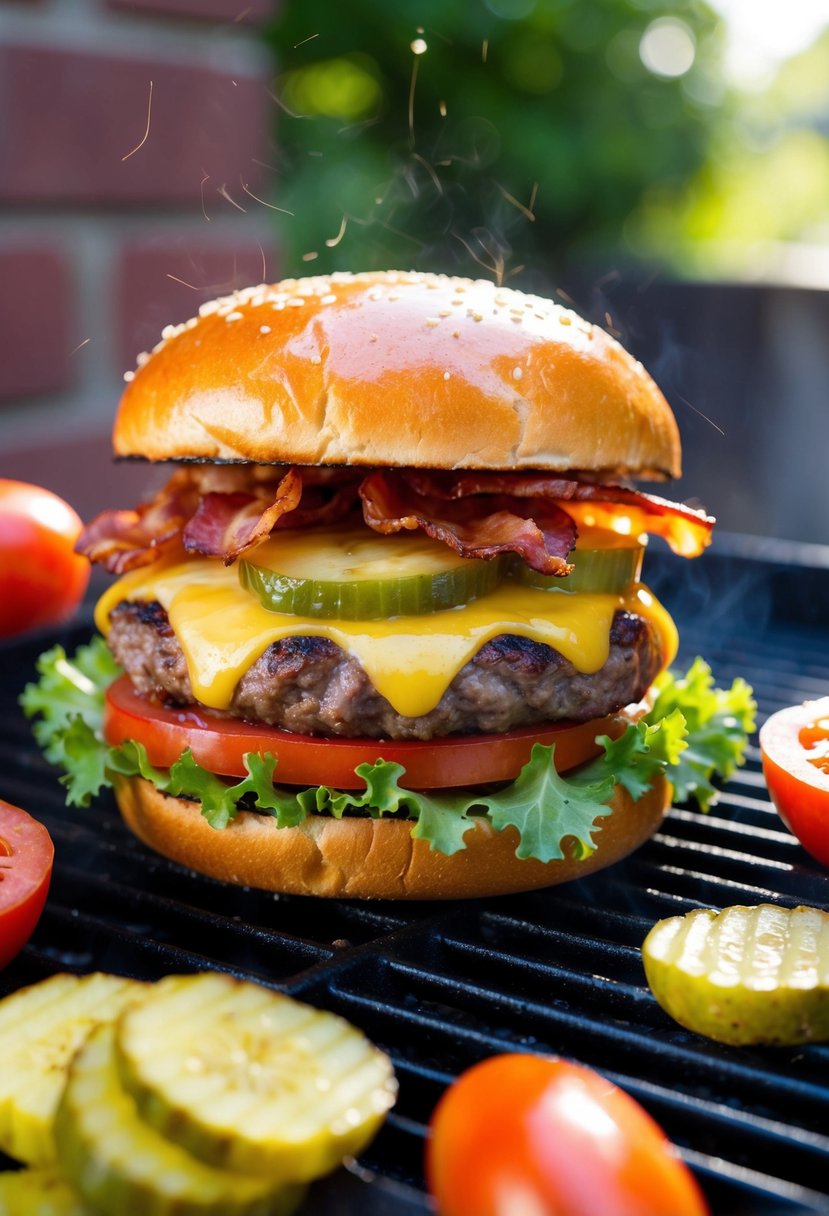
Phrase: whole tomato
(42, 579)
(794, 744)
(524, 1133)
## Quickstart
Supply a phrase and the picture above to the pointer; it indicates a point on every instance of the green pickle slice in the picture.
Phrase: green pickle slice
(251, 1080)
(355, 575)
(123, 1167)
(595, 571)
(745, 975)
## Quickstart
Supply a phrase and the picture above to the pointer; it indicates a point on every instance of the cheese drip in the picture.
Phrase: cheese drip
(410, 660)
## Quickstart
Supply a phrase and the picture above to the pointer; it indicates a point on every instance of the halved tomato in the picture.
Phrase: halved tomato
(26, 856)
(795, 747)
(219, 745)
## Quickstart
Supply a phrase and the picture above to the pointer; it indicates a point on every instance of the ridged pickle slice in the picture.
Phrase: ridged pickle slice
(39, 1192)
(745, 975)
(354, 575)
(252, 1080)
(123, 1167)
(41, 1027)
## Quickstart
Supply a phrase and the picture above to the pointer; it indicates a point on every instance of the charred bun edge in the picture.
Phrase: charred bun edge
(364, 858)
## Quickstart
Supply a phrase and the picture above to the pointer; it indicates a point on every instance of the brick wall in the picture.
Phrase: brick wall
(136, 138)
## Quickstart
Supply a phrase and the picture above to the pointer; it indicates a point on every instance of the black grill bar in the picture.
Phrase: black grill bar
(443, 985)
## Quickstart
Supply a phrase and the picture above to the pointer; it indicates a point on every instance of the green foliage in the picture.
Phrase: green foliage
(526, 129)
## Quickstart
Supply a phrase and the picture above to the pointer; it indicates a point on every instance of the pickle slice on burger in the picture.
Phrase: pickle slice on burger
(310, 720)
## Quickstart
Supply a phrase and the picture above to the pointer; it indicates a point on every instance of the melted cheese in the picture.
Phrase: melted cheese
(411, 660)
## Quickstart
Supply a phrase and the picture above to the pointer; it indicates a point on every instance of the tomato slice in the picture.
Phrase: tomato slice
(795, 748)
(26, 856)
(219, 744)
(535, 1134)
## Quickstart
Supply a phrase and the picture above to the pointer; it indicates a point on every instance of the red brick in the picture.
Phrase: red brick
(70, 119)
(153, 274)
(35, 321)
(241, 12)
(81, 468)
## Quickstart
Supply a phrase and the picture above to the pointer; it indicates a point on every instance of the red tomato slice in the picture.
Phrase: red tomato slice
(42, 579)
(26, 855)
(219, 744)
(524, 1133)
(795, 747)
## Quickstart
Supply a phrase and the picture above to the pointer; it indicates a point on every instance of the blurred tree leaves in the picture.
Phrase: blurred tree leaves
(483, 136)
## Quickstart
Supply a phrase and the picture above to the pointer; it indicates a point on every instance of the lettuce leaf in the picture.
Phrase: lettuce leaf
(695, 734)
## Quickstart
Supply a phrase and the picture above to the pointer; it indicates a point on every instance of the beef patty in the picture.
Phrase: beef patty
(311, 686)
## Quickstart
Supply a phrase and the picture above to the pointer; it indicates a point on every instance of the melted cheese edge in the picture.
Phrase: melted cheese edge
(411, 660)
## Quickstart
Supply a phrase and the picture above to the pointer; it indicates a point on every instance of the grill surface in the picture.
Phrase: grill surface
(440, 986)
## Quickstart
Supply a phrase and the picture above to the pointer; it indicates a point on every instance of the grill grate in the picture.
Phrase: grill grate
(440, 986)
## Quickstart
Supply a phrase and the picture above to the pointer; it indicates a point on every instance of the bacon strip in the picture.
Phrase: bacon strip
(225, 525)
(540, 532)
(223, 510)
(124, 540)
(685, 529)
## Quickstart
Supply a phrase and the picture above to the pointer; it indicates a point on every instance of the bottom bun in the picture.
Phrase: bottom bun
(363, 858)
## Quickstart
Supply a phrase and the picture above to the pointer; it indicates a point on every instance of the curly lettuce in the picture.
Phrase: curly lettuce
(695, 734)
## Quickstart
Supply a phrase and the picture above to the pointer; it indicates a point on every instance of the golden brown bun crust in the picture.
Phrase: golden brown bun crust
(397, 369)
(356, 858)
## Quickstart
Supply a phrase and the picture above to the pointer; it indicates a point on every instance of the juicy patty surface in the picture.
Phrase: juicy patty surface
(311, 686)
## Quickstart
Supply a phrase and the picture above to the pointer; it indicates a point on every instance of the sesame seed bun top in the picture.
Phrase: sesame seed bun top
(396, 369)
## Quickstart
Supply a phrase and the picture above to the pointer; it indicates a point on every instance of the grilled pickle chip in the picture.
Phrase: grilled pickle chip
(41, 1027)
(251, 1080)
(39, 1192)
(746, 975)
(123, 1167)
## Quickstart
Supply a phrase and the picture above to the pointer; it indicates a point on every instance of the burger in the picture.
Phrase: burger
(382, 630)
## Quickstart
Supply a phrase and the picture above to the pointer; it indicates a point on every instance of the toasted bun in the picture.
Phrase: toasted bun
(361, 858)
(397, 369)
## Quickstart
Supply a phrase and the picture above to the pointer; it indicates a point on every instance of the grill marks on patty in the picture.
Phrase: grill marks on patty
(309, 685)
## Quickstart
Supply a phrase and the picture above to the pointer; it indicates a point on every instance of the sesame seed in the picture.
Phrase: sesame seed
(296, 302)
(394, 295)
(264, 329)
(316, 359)
(517, 320)
(142, 358)
(445, 312)
(517, 373)
(432, 321)
(328, 300)
(447, 375)
(234, 316)
(374, 337)
(564, 320)
(129, 376)
(456, 333)
(477, 316)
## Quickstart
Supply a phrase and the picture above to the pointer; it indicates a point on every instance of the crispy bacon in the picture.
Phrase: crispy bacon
(218, 510)
(222, 510)
(225, 525)
(124, 540)
(538, 531)
(685, 529)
